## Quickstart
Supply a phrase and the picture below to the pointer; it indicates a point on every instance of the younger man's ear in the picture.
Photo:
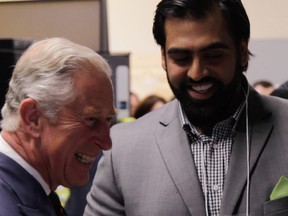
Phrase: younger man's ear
(163, 59)
(244, 52)
(30, 117)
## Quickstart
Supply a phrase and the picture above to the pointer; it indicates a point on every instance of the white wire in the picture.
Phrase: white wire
(247, 157)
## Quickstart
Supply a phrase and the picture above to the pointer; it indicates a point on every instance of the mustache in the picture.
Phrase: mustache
(189, 81)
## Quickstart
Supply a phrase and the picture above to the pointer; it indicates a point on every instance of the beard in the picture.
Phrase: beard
(214, 109)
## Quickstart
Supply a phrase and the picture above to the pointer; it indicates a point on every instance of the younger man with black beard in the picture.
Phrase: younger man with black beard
(219, 148)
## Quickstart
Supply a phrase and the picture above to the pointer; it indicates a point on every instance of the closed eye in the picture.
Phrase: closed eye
(110, 120)
(181, 58)
(213, 56)
(90, 121)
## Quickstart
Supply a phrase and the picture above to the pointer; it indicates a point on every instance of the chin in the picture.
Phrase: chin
(77, 178)
(79, 181)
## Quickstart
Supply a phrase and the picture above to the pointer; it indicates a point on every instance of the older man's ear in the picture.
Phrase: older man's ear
(30, 117)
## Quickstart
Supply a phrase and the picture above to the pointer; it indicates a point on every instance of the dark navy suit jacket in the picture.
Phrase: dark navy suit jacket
(20, 193)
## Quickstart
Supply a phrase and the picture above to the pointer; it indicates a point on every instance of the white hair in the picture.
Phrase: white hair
(44, 73)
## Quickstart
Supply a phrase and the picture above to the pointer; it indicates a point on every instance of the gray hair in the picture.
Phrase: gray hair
(44, 73)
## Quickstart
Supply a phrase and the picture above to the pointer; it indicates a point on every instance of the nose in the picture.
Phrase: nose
(196, 70)
(103, 137)
(106, 144)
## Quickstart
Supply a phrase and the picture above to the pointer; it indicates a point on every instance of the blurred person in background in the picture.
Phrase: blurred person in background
(148, 104)
(263, 87)
(281, 91)
(134, 102)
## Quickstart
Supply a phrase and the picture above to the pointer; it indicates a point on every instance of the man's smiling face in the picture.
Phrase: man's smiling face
(202, 64)
(71, 145)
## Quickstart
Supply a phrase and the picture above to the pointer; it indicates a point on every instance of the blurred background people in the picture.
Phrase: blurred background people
(281, 91)
(149, 104)
(134, 102)
(263, 87)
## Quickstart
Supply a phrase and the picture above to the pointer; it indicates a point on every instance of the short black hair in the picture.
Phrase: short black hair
(233, 11)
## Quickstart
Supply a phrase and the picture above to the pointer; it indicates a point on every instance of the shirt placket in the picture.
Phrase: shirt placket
(215, 174)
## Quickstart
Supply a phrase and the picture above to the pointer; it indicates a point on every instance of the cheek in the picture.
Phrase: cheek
(58, 148)
(224, 72)
(230, 74)
(73, 131)
(82, 137)
(52, 138)
(61, 141)
(176, 74)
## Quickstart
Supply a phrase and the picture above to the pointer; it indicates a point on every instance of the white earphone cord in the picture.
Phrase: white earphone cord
(247, 156)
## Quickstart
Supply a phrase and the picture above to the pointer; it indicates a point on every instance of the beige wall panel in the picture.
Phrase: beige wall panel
(76, 20)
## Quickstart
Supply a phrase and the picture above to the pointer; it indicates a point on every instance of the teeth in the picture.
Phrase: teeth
(203, 87)
(84, 158)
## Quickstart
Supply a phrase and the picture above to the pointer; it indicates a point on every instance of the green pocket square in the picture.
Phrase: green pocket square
(281, 189)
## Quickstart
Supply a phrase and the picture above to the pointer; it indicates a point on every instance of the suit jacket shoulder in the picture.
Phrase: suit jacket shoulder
(20, 193)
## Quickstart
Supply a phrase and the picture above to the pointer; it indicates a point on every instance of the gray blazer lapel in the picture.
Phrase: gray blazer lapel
(259, 130)
(176, 152)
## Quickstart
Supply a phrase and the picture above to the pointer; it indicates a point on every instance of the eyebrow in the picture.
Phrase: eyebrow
(89, 110)
(217, 45)
(94, 111)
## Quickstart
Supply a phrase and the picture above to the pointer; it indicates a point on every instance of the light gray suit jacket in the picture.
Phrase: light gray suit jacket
(150, 170)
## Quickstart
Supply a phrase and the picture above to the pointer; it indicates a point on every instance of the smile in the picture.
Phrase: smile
(202, 88)
(83, 158)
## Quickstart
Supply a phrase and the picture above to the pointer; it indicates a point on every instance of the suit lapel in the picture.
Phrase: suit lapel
(30, 195)
(259, 130)
(176, 152)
